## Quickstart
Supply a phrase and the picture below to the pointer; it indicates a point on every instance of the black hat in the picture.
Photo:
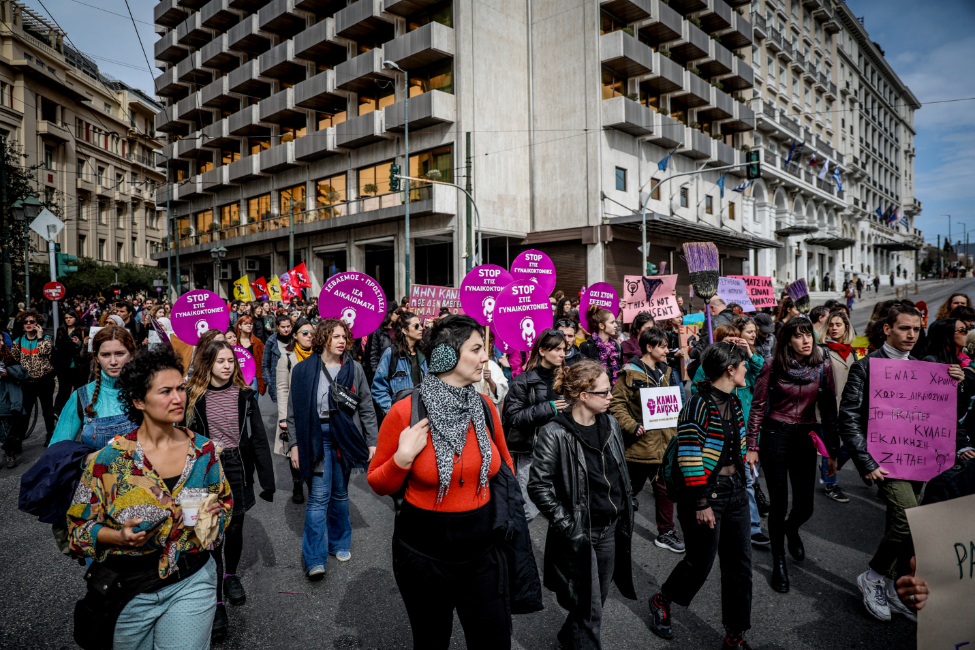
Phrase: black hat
(764, 324)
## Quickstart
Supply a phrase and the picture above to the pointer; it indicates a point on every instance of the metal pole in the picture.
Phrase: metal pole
(291, 231)
(8, 267)
(216, 275)
(406, 144)
(54, 275)
(179, 273)
(169, 244)
(470, 222)
(26, 266)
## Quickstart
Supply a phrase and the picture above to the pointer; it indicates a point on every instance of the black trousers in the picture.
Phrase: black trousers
(730, 540)
(42, 388)
(578, 633)
(432, 590)
(788, 456)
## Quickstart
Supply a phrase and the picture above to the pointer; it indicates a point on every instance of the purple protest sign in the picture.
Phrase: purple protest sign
(356, 299)
(248, 367)
(195, 312)
(537, 265)
(479, 291)
(601, 294)
(521, 313)
(912, 420)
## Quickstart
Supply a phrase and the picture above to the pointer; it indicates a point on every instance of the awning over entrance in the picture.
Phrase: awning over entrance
(690, 231)
(832, 243)
(788, 231)
(894, 246)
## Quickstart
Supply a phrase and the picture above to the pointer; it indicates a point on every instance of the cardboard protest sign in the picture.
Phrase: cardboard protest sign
(661, 303)
(661, 406)
(733, 290)
(426, 300)
(944, 551)
(760, 290)
(601, 294)
(912, 419)
(689, 334)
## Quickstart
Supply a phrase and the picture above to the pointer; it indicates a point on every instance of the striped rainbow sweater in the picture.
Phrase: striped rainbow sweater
(700, 440)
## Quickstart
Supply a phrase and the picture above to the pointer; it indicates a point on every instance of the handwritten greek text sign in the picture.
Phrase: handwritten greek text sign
(760, 290)
(601, 294)
(661, 304)
(426, 300)
(913, 417)
(661, 406)
(734, 290)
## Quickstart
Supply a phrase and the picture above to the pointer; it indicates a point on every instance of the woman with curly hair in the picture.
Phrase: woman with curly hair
(602, 346)
(952, 302)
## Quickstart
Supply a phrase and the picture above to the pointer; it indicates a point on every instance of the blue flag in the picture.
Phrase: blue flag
(741, 188)
(721, 184)
(662, 165)
(880, 211)
(792, 150)
(836, 179)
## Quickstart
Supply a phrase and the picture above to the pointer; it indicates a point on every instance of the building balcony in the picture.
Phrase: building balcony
(664, 24)
(245, 169)
(716, 16)
(247, 36)
(429, 109)
(281, 17)
(360, 131)
(247, 122)
(190, 70)
(720, 106)
(360, 72)
(760, 27)
(189, 148)
(168, 49)
(191, 32)
(774, 42)
(788, 51)
(625, 55)
(798, 62)
(723, 155)
(742, 119)
(191, 5)
(822, 82)
(247, 80)
(219, 55)
(421, 47)
(719, 60)
(319, 93)
(280, 63)
(666, 76)
(810, 72)
(278, 158)
(831, 90)
(697, 145)
(686, 7)
(168, 152)
(105, 189)
(218, 135)
(742, 76)
(220, 15)
(361, 18)
(629, 11)
(319, 43)
(739, 34)
(695, 91)
(279, 108)
(218, 95)
(190, 109)
(407, 7)
(85, 183)
(168, 13)
(317, 145)
(628, 116)
(692, 44)
(53, 131)
(192, 188)
(165, 121)
(167, 85)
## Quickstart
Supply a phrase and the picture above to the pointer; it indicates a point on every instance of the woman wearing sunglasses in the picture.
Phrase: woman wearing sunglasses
(295, 352)
(402, 366)
(33, 351)
(580, 482)
(946, 344)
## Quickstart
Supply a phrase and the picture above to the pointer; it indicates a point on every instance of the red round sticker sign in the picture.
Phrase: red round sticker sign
(54, 291)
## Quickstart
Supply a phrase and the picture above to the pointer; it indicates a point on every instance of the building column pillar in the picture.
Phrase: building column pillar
(595, 263)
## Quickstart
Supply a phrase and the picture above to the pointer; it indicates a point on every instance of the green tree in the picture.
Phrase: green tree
(94, 279)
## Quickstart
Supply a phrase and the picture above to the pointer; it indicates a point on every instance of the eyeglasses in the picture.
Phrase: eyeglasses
(30, 322)
(601, 393)
(416, 326)
(964, 330)
(305, 332)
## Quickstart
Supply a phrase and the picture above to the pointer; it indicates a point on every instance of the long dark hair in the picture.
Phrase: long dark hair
(715, 362)
(941, 341)
(549, 340)
(63, 329)
(785, 304)
(785, 355)
(399, 336)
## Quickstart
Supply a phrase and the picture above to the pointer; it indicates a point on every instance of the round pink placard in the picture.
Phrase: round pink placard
(248, 367)
(195, 312)
(602, 294)
(355, 298)
(521, 313)
(537, 265)
(479, 291)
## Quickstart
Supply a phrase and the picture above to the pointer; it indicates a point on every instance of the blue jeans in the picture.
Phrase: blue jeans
(175, 617)
(754, 516)
(328, 528)
(841, 459)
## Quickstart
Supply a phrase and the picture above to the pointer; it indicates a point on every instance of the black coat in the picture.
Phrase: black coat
(559, 487)
(526, 409)
(590, 350)
(255, 452)
(376, 344)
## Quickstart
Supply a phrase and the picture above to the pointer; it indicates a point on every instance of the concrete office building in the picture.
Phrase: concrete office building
(90, 135)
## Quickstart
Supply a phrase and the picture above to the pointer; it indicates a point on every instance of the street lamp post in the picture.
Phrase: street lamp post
(8, 268)
(25, 211)
(390, 65)
(217, 254)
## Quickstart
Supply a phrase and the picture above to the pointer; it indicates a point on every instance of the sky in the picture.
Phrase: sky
(931, 46)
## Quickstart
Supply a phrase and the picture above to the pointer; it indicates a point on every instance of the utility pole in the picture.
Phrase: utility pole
(179, 274)
(169, 244)
(391, 65)
(52, 260)
(470, 216)
(291, 231)
(8, 280)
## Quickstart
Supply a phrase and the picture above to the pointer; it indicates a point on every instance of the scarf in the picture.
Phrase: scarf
(894, 353)
(451, 410)
(609, 356)
(350, 439)
(800, 374)
(842, 349)
(301, 353)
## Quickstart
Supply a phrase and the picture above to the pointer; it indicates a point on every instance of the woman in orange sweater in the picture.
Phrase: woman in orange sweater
(441, 467)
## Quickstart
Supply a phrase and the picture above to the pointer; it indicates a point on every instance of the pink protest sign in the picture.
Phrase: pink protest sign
(354, 298)
(537, 265)
(479, 291)
(426, 300)
(247, 365)
(912, 418)
(521, 313)
(601, 294)
(195, 312)
(661, 304)
(760, 290)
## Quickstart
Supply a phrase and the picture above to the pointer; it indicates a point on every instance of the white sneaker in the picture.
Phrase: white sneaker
(874, 596)
(898, 607)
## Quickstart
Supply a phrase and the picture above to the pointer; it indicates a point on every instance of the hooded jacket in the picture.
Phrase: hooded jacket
(626, 408)
(526, 409)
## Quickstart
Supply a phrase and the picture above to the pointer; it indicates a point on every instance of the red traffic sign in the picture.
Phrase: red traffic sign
(117, 292)
(54, 291)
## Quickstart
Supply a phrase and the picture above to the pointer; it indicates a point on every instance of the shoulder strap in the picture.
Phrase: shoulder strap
(393, 361)
(81, 407)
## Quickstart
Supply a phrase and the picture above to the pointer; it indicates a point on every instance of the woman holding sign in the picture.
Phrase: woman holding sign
(223, 408)
(602, 346)
(250, 342)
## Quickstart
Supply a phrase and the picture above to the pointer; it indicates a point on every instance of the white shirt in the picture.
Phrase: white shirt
(497, 375)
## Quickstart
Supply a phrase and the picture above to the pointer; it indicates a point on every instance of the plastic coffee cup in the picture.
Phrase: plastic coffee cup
(191, 510)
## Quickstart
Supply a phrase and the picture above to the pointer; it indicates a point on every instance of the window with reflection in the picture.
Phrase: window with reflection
(374, 180)
(435, 165)
(330, 196)
(204, 163)
(257, 145)
(609, 23)
(613, 86)
(289, 134)
(230, 215)
(258, 209)
(326, 120)
(202, 221)
(442, 13)
(436, 76)
(377, 99)
(293, 202)
(228, 156)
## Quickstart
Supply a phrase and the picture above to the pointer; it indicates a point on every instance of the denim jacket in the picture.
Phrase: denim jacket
(386, 384)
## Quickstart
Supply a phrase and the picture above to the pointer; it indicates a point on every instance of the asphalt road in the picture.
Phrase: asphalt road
(933, 292)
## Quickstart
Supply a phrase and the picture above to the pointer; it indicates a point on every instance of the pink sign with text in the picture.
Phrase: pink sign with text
(248, 367)
(601, 294)
(912, 418)
(661, 303)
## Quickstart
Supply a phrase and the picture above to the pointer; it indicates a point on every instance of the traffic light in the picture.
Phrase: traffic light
(62, 262)
(651, 268)
(754, 168)
(394, 178)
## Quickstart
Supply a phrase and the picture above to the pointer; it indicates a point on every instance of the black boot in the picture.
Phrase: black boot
(780, 574)
(219, 630)
(761, 501)
(298, 495)
(796, 549)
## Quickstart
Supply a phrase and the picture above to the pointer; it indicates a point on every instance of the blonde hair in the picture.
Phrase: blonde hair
(203, 365)
(572, 381)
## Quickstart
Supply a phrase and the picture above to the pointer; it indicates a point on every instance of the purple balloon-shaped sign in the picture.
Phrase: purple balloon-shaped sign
(479, 291)
(601, 294)
(356, 299)
(195, 312)
(521, 313)
(537, 265)
(248, 367)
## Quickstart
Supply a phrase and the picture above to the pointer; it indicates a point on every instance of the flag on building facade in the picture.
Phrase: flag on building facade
(792, 151)
(880, 211)
(274, 289)
(813, 160)
(905, 222)
(721, 184)
(744, 186)
(259, 287)
(822, 172)
(836, 179)
(242, 289)
(662, 165)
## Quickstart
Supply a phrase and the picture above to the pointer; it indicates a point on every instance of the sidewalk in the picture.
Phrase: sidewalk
(871, 298)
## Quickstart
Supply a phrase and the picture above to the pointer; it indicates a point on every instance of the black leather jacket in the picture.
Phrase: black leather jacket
(525, 411)
(558, 486)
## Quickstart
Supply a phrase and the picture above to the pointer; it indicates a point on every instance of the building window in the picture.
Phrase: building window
(436, 165)
(655, 194)
(258, 145)
(82, 245)
(119, 249)
(436, 76)
(331, 191)
(441, 13)
(293, 201)
(81, 168)
(102, 252)
(326, 120)
(203, 221)
(709, 204)
(259, 208)
(230, 215)
(81, 209)
(612, 85)
(119, 217)
(375, 180)
(135, 251)
(120, 182)
(683, 197)
(108, 108)
(101, 176)
(731, 211)
(289, 134)
(49, 158)
(377, 100)
(228, 156)
(620, 179)
(103, 215)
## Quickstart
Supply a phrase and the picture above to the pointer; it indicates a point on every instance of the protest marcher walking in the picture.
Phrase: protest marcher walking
(403, 365)
(34, 351)
(842, 356)
(273, 348)
(294, 353)
(71, 364)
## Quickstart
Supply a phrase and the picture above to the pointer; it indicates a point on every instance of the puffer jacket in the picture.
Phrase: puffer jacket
(558, 485)
(627, 409)
(376, 344)
(38, 364)
(525, 411)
